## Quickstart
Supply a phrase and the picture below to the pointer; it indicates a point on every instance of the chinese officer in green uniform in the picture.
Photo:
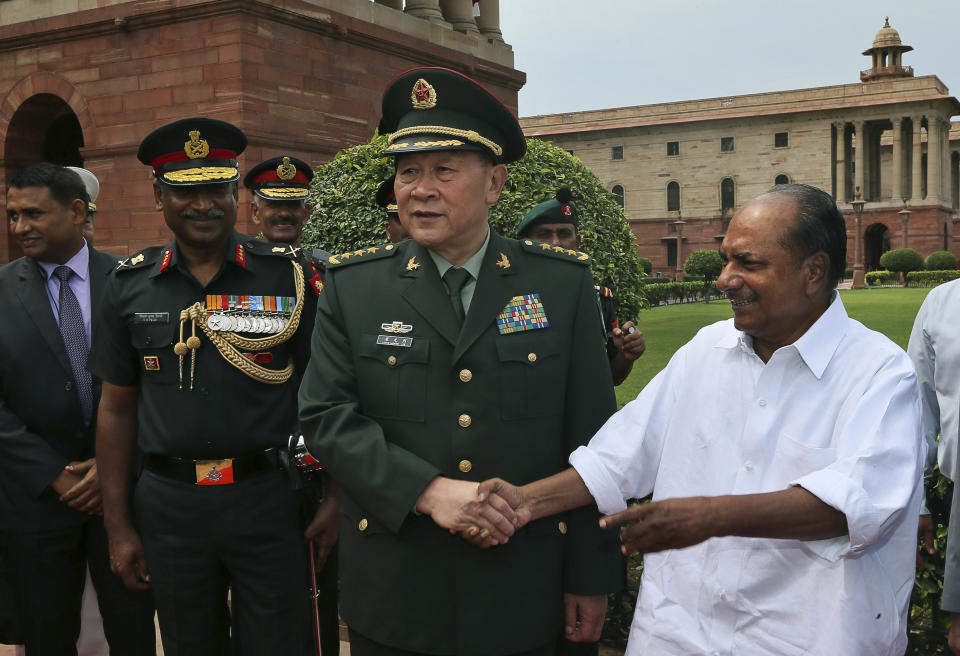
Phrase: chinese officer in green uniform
(439, 361)
(198, 350)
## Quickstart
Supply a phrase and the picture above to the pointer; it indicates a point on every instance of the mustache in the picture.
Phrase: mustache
(212, 213)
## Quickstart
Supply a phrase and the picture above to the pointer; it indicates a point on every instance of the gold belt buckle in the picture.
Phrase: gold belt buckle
(215, 472)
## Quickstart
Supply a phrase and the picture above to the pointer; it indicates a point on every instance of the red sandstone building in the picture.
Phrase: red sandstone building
(681, 169)
(83, 81)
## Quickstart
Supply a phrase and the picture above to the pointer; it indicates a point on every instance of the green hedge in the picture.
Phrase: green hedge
(882, 277)
(657, 280)
(902, 259)
(681, 292)
(931, 278)
(645, 264)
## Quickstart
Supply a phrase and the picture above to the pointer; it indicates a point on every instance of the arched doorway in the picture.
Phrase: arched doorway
(43, 129)
(876, 242)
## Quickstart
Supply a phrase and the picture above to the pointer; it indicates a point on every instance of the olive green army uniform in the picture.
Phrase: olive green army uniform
(396, 393)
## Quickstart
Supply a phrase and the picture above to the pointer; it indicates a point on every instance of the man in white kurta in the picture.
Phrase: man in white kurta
(784, 454)
(836, 413)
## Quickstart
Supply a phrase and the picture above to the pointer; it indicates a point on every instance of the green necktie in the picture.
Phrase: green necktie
(455, 278)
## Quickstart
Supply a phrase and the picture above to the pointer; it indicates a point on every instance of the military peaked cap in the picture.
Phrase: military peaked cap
(439, 109)
(280, 178)
(194, 151)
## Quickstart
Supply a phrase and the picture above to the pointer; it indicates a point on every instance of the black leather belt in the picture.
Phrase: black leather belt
(225, 471)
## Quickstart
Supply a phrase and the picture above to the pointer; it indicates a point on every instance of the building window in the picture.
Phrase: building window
(781, 179)
(617, 192)
(616, 152)
(671, 252)
(727, 199)
(673, 196)
(781, 140)
(726, 144)
(673, 148)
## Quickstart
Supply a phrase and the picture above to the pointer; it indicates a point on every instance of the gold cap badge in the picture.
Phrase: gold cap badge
(423, 96)
(286, 170)
(196, 148)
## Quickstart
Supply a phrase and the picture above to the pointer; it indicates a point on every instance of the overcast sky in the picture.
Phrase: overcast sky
(595, 54)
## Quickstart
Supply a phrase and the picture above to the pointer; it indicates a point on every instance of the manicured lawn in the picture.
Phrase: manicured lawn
(666, 328)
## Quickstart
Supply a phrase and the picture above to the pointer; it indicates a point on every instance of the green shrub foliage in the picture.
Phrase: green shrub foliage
(345, 216)
(902, 260)
(882, 277)
(940, 261)
(931, 278)
(645, 264)
(704, 263)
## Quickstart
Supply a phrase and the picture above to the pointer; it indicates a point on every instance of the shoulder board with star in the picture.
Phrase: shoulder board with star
(144, 258)
(260, 247)
(362, 255)
(559, 252)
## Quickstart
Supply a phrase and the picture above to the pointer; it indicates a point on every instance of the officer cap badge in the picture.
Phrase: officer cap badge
(196, 148)
(423, 95)
(286, 170)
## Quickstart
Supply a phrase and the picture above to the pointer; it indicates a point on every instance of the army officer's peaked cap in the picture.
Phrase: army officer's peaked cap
(439, 109)
(280, 178)
(194, 151)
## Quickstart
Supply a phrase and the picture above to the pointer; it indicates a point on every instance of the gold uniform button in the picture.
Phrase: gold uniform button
(562, 527)
(465, 420)
(532, 357)
(392, 360)
(466, 466)
(363, 524)
(466, 375)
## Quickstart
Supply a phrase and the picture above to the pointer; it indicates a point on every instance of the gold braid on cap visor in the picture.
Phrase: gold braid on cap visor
(469, 135)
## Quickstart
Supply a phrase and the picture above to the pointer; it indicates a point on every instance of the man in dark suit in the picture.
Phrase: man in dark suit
(48, 403)
(441, 358)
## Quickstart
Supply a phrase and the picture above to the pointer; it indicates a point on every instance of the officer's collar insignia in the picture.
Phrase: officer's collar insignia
(316, 282)
(121, 264)
(137, 259)
(165, 262)
(423, 95)
(151, 363)
(196, 148)
(503, 262)
(396, 327)
(241, 257)
(522, 313)
(278, 249)
(413, 264)
(286, 170)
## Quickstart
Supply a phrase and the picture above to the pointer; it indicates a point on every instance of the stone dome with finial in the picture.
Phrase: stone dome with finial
(887, 36)
(886, 54)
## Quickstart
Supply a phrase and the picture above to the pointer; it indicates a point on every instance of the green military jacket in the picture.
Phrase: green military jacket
(395, 395)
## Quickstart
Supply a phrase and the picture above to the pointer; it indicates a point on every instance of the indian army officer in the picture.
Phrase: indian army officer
(554, 222)
(281, 207)
(200, 343)
(387, 199)
(281, 202)
(438, 361)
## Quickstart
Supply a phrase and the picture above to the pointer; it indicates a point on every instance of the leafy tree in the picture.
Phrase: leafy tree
(704, 263)
(903, 260)
(346, 217)
(940, 261)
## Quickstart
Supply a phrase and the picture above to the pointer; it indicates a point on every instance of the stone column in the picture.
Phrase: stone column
(489, 20)
(946, 177)
(841, 163)
(917, 173)
(426, 9)
(896, 183)
(934, 158)
(393, 4)
(859, 159)
(459, 13)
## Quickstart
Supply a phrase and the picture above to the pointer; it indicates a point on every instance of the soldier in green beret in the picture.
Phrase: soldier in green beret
(554, 222)
(439, 361)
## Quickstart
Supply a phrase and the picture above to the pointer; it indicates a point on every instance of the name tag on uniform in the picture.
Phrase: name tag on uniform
(151, 317)
(394, 340)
